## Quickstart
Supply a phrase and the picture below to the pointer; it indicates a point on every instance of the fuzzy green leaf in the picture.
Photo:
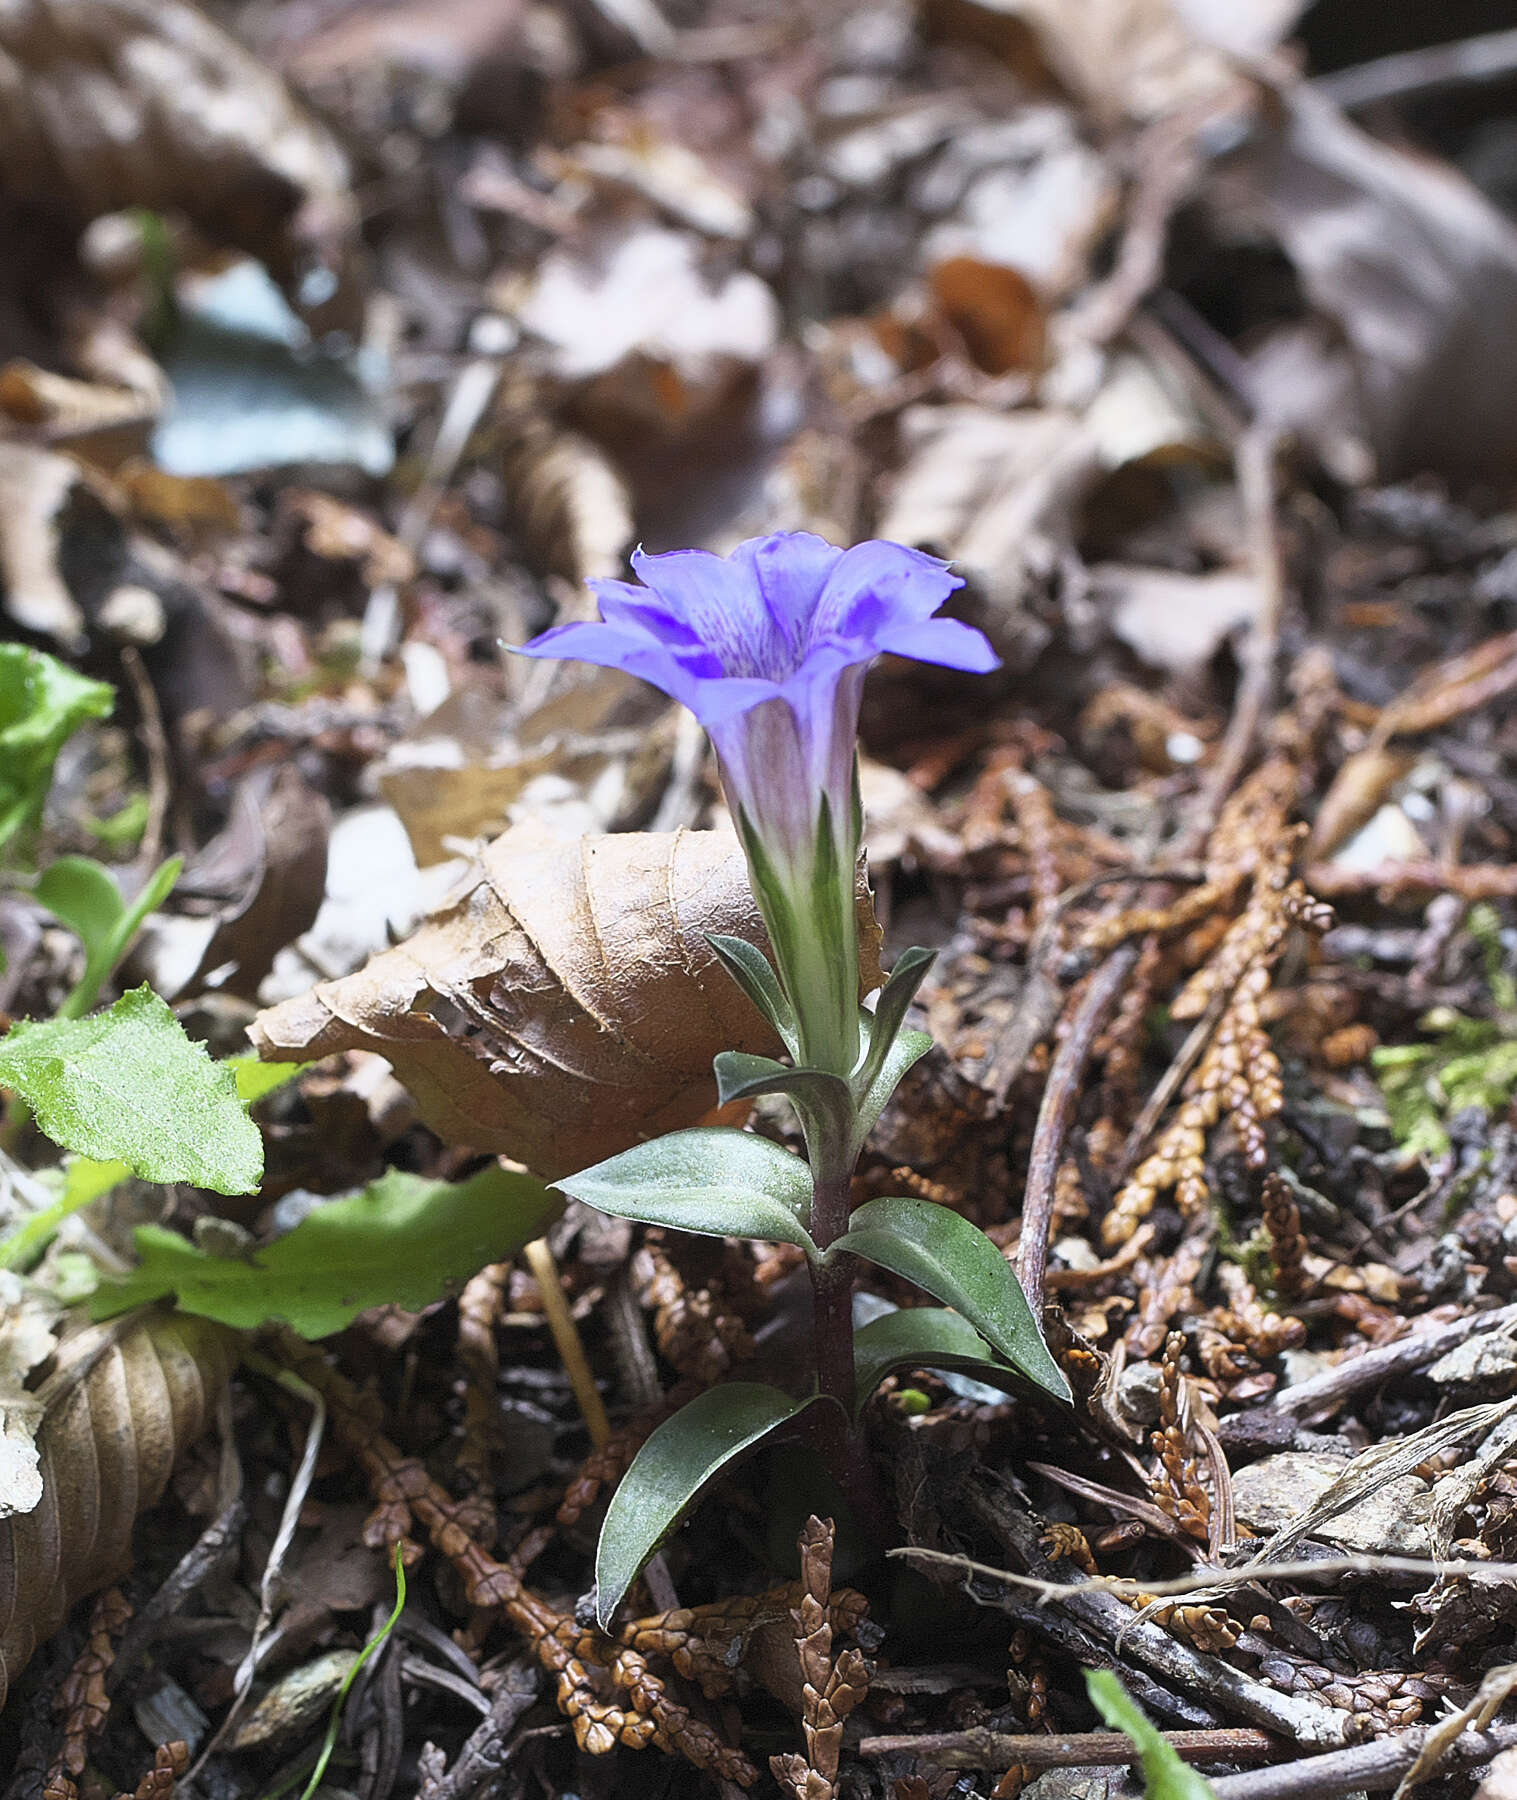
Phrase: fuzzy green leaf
(713, 1180)
(42, 704)
(1165, 1777)
(128, 1084)
(667, 1475)
(956, 1263)
(921, 1337)
(404, 1241)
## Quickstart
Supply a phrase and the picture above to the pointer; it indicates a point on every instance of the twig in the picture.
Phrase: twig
(156, 744)
(1254, 461)
(1211, 1579)
(1326, 1392)
(1056, 1110)
(1366, 1768)
(982, 1749)
(566, 1336)
(488, 1748)
(300, 1486)
(1306, 1721)
(1414, 73)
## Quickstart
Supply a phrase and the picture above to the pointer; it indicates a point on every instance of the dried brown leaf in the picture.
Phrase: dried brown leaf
(107, 104)
(563, 1004)
(120, 1408)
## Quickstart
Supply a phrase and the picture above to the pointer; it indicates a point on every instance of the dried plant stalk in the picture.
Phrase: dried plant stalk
(564, 1003)
(832, 1688)
(124, 1403)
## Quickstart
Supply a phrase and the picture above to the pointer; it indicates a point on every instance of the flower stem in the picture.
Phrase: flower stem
(832, 1288)
(840, 1441)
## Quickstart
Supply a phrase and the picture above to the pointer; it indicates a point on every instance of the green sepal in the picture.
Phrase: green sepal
(884, 1023)
(907, 1049)
(84, 894)
(922, 1337)
(667, 1476)
(754, 974)
(956, 1263)
(712, 1179)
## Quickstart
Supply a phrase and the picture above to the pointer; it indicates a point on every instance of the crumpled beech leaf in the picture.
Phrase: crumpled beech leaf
(125, 1401)
(563, 1003)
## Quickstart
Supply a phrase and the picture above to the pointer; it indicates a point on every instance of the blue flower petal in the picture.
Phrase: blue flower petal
(876, 585)
(942, 641)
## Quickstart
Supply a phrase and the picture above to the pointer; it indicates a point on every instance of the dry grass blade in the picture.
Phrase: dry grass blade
(122, 1406)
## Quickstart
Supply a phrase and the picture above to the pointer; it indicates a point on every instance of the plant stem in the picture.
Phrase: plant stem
(839, 1440)
(832, 1288)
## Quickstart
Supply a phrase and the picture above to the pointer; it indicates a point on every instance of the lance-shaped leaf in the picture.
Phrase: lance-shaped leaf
(128, 1084)
(405, 1241)
(667, 1475)
(884, 1023)
(1165, 1776)
(713, 1180)
(922, 1337)
(754, 974)
(956, 1263)
(907, 1049)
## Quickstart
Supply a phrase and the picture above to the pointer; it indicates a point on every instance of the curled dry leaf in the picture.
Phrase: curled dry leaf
(107, 104)
(264, 877)
(121, 1406)
(564, 1004)
(27, 1336)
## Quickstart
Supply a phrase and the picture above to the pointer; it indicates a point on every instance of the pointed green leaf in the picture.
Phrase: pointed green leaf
(84, 894)
(84, 1180)
(404, 1241)
(667, 1475)
(713, 1180)
(884, 1023)
(922, 1337)
(740, 1076)
(956, 1263)
(256, 1078)
(42, 704)
(907, 1049)
(754, 974)
(127, 1083)
(1165, 1776)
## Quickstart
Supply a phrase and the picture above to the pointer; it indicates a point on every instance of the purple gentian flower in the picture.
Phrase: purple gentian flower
(768, 647)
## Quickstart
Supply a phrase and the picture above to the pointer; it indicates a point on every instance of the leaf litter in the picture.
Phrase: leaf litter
(1026, 285)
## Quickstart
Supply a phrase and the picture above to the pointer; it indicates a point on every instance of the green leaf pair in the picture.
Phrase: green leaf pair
(724, 1183)
(846, 1110)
